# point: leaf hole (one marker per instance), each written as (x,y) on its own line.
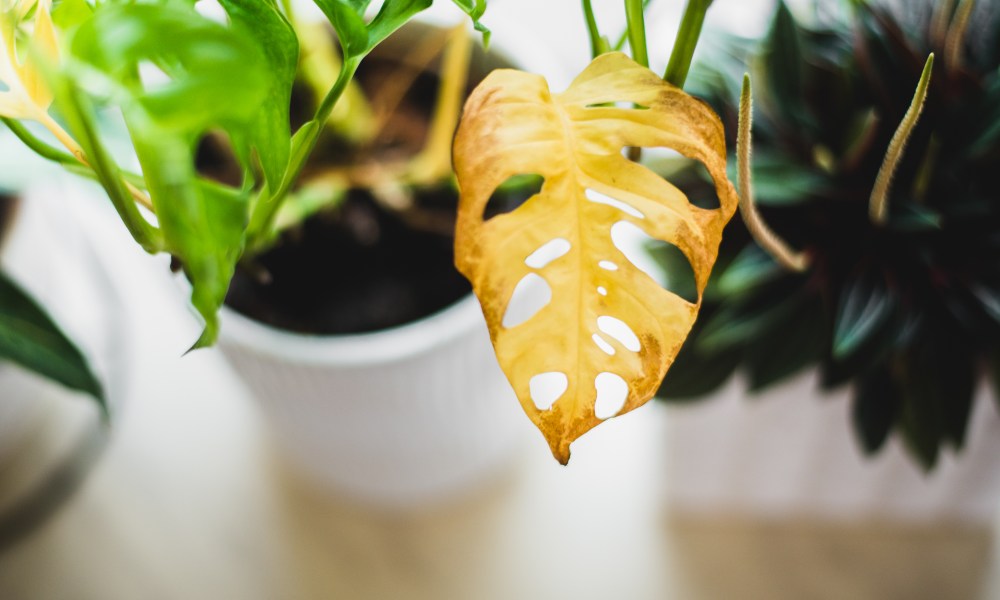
(602,290)
(599,198)
(546,388)
(607,265)
(216,160)
(665,263)
(513,192)
(212,10)
(603,344)
(620,104)
(697,184)
(152,76)
(620,331)
(531,295)
(612,392)
(548,252)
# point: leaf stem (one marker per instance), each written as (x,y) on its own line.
(598,44)
(686,41)
(878,203)
(266,208)
(38,146)
(78,113)
(764,235)
(637,31)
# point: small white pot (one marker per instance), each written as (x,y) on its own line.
(61,249)
(402,417)
(791,452)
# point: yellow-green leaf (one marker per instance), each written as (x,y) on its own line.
(27,96)
(514,125)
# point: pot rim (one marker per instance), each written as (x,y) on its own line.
(385,346)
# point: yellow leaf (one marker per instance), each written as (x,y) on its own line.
(514,125)
(27,96)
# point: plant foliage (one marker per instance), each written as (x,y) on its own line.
(905,311)
(514,125)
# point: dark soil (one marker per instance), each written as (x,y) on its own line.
(358,269)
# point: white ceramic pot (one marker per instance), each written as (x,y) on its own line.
(49,435)
(401,417)
(790,452)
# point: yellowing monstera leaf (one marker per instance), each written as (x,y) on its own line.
(605,317)
(26,96)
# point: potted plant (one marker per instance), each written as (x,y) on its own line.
(225,186)
(51,428)
(886,310)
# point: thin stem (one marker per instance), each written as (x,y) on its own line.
(38,146)
(956,35)
(67,140)
(686,41)
(878,209)
(592,31)
(303,142)
(765,237)
(624,35)
(77,111)
(636,31)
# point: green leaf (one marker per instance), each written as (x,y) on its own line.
(866,306)
(783,64)
(31,339)
(393,15)
(203,222)
(694,373)
(347,18)
(740,321)
(798,340)
(475,10)
(205,62)
(67,14)
(269,132)
(358,38)
(752,267)
(920,416)
(874,407)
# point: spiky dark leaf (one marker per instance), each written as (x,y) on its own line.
(782,351)
(874,408)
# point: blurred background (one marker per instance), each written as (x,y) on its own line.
(192,493)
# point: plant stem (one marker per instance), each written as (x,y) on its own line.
(686,41)
(597,43)
(878,204)
(266,208)
(38,146)
(637,31)
(764,235)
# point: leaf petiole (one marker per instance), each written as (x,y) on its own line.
(598,43)
(265,209)
(686,41)
(637,31)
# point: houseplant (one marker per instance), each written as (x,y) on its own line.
(50,433)
(898,299)
(171,72)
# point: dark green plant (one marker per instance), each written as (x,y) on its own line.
(906,311)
